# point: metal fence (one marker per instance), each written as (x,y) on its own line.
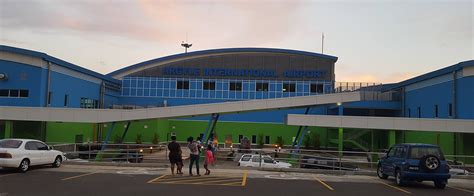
(229,157)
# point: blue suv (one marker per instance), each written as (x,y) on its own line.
(415,162)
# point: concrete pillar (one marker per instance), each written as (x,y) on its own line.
(8,129)
(392,138)
(340,143)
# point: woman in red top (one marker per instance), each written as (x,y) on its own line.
(209,159)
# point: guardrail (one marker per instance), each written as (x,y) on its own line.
(229,157)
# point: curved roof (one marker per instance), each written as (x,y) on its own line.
(220,51)
(430,75)
(57,61)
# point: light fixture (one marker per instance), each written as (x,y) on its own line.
(105,125)
(146,126)
(3,76)
(339,103)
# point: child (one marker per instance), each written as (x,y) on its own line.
(209,159)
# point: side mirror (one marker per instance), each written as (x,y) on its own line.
(50,148)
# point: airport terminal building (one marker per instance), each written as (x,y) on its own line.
(31,79)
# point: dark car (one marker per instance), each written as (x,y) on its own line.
(415,162)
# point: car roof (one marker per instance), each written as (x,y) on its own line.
(416,145)
(23,140)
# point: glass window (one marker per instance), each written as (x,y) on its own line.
(267,160)
(3,93)
(400,152)
(419,152)
(391,152)
(261,86)
(256,159)
(254,139)
(450,108)
(14,92)
(24,93)
(66,100)
(235,86)
(41,146)
(436,111)
(419,112)
(31,146)
(267,139)
(289,87)
(89,103)
(209,85)
(10,143)
(246,157)
(183,84)
(317,88)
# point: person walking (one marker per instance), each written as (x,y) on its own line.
(194,156)
(209,159)
(175,155)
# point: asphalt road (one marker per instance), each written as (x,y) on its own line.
(96,182)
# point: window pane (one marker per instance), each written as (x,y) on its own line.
(235,86)
(209,85)
(289,87)
(14,93)
(182,85)
(3,93)
(262,86)
(24,93)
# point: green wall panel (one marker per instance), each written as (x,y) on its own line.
(58,132)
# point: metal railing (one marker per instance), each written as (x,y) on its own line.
(229,157)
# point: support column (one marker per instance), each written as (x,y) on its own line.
(392,138)
(340,143)
(8,129)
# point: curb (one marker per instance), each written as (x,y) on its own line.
(296,170)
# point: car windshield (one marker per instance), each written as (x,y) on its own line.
(10,143)
(419,152)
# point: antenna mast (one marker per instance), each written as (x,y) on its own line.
(186,45)
(322,43)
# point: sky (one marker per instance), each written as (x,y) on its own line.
(380,41)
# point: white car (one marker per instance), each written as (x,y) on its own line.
(23,153)
(254,160)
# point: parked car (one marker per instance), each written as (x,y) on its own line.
(316,162)
(415,162)
(255,160)
(23,153)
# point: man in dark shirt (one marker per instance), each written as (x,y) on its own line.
(175,155)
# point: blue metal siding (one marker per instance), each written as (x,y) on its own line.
(76,88)
(465,98)
(22,76)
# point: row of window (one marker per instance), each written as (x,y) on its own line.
(435,110)
(14,93)
(266,139)
(259,86)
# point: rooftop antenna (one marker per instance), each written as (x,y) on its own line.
(322,43)
(186,45)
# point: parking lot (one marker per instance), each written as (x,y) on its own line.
(132,181)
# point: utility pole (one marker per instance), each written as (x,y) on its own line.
(186,45)
(322,43)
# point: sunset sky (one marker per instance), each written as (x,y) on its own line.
(376,41)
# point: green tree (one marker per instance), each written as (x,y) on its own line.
(260,141)
(156,139)
(138,139)
(316,141)
(117,139)
(279,141)
(307,141)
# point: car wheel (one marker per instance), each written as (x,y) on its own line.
(380,173)
(440,184)
(24,165)
(57,161)
(399,179)
(430,162)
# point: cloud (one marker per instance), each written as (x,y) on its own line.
(214,22)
